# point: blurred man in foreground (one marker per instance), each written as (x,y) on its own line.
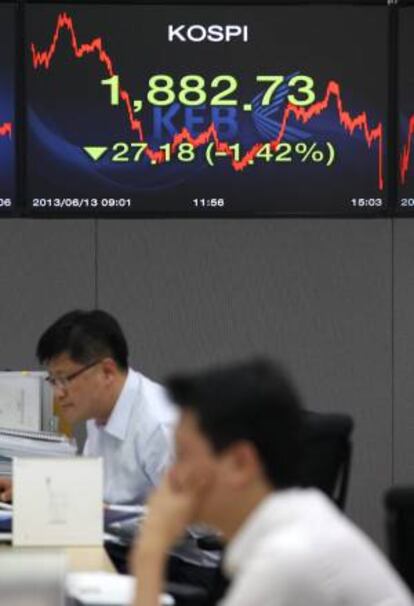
(238,444)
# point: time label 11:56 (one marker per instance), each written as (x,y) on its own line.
(208,202)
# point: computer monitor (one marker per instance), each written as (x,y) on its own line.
(26,401)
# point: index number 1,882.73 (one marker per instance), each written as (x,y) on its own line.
(190,90)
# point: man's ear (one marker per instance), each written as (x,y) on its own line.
(109,368)
(243,463)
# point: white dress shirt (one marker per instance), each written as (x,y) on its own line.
(297,549)
(136,443)
(137,447)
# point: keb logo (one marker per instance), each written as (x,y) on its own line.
(168,122)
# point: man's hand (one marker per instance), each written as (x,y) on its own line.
(5,489)
(171,508)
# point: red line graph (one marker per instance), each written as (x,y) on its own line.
(6,129)
(300,114)
(406,151)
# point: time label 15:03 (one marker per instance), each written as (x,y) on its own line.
(190,90)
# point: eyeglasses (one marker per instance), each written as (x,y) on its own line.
(63,382)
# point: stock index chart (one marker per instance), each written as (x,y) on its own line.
(406,112)
(203,110)
(7,112)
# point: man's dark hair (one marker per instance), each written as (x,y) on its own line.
(85,336)
(253,401)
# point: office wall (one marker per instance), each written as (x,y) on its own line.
(403,351)
(317,294)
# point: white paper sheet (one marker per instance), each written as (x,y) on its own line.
(57,501)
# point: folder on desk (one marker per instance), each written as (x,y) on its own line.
(57,502)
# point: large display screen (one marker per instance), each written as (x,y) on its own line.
(170,110)
(7,108)
(406,112)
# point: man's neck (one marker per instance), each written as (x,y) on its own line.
(243,508)
(112,398)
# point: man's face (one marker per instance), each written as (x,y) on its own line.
(80,398)
(201,471)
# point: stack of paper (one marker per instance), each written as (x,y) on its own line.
(14,443)
(115,513)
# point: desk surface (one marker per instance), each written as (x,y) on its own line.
(87,559)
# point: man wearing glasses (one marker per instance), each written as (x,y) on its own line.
(129,420)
